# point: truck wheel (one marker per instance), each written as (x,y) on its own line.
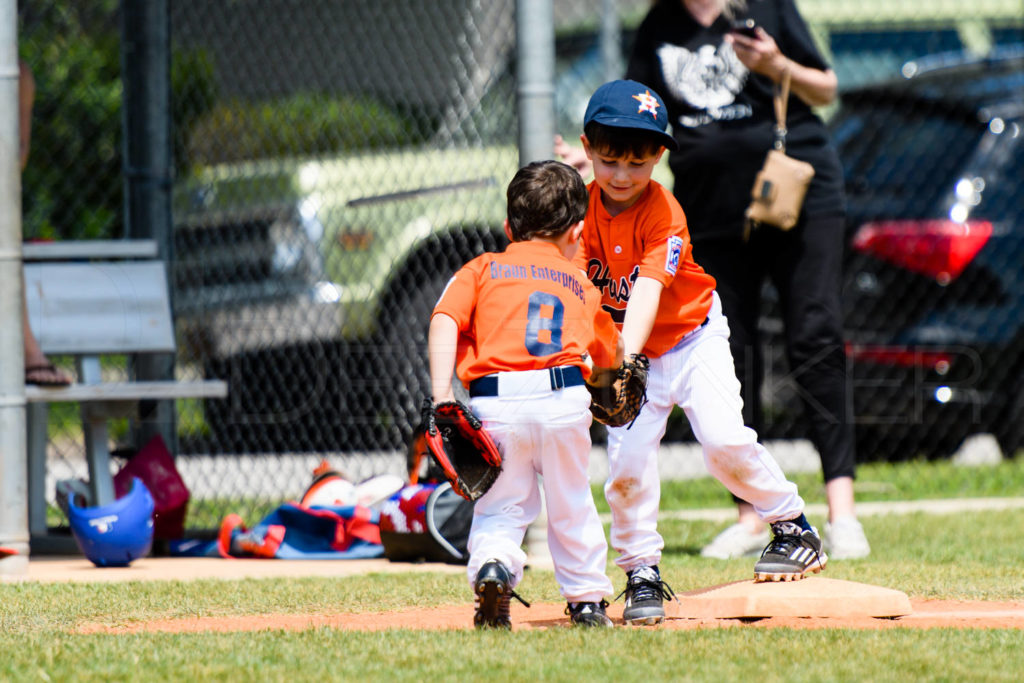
(405,319)
(1009,428)
(405,372)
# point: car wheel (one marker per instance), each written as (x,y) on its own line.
(404,322)
(1009,428)
(281,399)
(404,368)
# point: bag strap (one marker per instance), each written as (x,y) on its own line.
(781,103)
(433,527)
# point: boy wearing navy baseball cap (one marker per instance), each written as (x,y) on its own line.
(636,249)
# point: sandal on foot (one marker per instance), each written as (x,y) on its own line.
(46,375)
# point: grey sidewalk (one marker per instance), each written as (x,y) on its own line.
(908,507)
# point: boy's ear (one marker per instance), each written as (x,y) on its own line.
(575,232)
(508,231)
(586,145)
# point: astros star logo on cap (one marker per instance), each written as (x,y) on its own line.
(647,103)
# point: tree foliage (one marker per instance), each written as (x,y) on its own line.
(72,185)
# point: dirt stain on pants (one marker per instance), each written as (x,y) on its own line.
(625,489)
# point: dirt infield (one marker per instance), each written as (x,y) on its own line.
(688,613)
(52,569)
(926,614)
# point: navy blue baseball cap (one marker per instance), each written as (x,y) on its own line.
(628,104)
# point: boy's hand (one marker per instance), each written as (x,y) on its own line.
(462,447)
(573,156)
(618,394)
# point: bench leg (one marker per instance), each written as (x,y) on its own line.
(37,414)
(97,455)
(94,425)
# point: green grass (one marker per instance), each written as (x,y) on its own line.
(913,480)
(620,655)
(957,556)
(961,556)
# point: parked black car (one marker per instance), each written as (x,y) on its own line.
(934,278)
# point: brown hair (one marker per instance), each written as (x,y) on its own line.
(616,141)
(545,198)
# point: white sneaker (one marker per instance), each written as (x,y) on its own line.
(737,541)
(845,540)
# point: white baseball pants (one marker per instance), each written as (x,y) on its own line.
(698,376)
(544,433)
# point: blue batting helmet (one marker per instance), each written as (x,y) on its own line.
(114,535)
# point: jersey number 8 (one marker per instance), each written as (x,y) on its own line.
(537,323)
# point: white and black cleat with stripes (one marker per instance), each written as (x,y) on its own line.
(645,595)
(792,553)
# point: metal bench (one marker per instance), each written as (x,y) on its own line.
(88,300)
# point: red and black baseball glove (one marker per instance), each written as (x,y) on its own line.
(461,446)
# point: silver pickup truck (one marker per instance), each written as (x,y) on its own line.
(308,285)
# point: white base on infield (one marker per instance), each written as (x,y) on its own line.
(811,597)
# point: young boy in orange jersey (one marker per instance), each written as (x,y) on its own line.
(636,249)
(524,326)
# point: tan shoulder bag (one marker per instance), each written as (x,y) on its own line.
(781,184)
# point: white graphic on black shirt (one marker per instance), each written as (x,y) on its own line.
(707,80)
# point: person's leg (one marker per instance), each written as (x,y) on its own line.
(738,280)
(575,534)
(708,391)
(38,368)
(739,275)
(840,499)
(633,492)
(806,266)
(705,386)
(501,515)
(633,488)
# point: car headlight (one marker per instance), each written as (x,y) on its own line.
(314,229)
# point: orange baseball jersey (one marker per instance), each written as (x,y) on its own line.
(649,239)
(527,308)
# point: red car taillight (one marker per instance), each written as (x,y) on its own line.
(940,249)
(900,356)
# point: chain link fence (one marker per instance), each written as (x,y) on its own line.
(336,161)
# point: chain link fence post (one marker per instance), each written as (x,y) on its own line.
(13,464)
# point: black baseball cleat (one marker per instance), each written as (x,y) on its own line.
(645,593)
(493,590)
(791,554)
(589,614)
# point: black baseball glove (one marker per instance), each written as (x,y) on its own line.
(462,447)
(617,395)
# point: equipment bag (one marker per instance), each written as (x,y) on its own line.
(426,522)
(154,465)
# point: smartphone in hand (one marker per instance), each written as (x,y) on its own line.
(745,27)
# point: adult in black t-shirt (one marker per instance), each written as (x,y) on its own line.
(718,88)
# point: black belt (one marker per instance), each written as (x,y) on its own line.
(561,377)
(706,321)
